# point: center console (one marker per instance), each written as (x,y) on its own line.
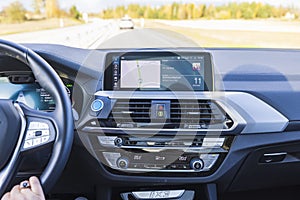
(157,115)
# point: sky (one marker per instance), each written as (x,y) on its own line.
(98,5)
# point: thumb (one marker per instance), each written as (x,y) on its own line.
(36,186)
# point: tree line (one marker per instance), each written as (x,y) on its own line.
(181,11)
(42,9)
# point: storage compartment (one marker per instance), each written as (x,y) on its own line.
(268,167)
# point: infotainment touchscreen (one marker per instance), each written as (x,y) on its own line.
(159,71)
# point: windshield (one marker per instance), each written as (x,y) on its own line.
(152,24)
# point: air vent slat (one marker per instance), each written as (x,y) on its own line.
(192,102)
(131,118)
(188,109)
(196,114)
(127,108)
(129,112)
(133,103)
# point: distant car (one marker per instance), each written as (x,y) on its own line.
(126,23)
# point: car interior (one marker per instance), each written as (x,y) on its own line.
(150,100)
(168,123)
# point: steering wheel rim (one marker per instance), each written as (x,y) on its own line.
(60,121)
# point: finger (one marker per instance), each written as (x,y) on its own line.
(6,196)
(15,190)
(29,195)
(15,193)
(36,186)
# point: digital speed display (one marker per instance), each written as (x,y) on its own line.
(30,94)
(159,71)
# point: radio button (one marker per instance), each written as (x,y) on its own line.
(97,105)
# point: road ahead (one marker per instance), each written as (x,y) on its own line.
(104,34)
(147,38)
(162,33)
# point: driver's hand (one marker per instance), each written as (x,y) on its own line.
(27,190)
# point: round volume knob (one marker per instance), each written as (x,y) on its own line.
(97,105)
(118,142)
(123,163)
(196,164)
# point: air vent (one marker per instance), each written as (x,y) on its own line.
(131,111)
(183,114)
(199,114)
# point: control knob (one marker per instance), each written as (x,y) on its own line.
(118,142)
(197,164)
(122,163)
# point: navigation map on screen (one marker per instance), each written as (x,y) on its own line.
(140,74)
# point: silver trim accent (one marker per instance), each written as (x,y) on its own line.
(107,141)
(127,112)
(164,95)
(243,108)
(171,95)
(186,149)
(193,113)
(213,142)
(208,161)
(209,145)
(6,172)
(111,158)
(160,194)
(260,116)
(275,154)
(205,169)
(99,129)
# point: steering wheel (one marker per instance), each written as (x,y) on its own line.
(24,130)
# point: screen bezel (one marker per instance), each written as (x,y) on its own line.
(208,70)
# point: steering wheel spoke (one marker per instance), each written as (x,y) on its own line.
(40,130)
(39,133)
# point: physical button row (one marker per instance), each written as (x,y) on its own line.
(35,142)
(36,133)
(38,126)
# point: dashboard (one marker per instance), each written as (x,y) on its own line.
(173,120)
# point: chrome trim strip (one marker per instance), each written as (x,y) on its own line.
(260,116)
(275,154)
(159,94)
(208,145)
(208,159)
(160,170)
(243,108)
(161,194)
(184,148)
(172,95)
(100,129)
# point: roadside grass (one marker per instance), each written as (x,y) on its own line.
(234,38)
(29,26)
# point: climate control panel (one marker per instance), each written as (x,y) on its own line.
(148,162)
(162,154)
